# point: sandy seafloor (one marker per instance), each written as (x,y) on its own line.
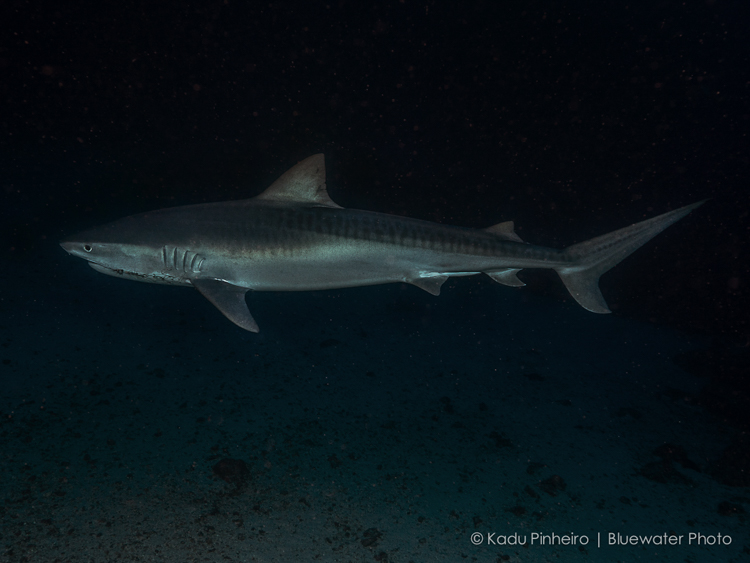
(378,424)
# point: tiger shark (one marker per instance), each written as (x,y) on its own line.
(293,237)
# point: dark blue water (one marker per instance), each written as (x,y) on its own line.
(382,423)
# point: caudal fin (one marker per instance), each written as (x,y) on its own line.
(590,259)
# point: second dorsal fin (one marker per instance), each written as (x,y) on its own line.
(505,231)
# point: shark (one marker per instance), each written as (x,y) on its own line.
(293,237)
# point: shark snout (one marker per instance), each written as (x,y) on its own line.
(77,248)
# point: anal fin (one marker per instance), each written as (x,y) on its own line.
(229,299)
(507,277)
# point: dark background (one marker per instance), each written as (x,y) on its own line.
(572,119)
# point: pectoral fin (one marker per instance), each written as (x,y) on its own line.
(229,299)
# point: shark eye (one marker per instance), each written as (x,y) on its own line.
(87,248)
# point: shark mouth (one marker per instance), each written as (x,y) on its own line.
(154,277)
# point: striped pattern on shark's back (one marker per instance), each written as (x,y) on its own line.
(301,227)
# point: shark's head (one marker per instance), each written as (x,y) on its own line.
(120,249)
(108,258)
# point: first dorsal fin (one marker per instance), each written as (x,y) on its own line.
(303,183)
(505,231)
